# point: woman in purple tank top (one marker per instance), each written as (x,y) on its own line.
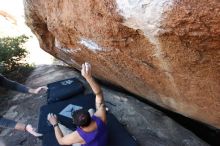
(91,131)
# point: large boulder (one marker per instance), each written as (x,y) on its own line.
(166,51)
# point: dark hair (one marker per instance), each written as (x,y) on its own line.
(81,118)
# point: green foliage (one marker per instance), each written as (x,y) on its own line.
(12,55)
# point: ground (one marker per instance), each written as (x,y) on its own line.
(148,125)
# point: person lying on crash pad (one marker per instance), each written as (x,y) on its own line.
(91,130)
(12,85)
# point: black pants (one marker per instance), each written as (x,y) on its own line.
(7,123)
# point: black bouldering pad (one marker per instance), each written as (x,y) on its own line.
(118,135)
(64,89)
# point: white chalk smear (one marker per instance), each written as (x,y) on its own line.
(91,45)
(71,50)
(145,15)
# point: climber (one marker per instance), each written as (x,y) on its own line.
(12,85)
(91,130)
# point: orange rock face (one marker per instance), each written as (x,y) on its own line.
(166,51)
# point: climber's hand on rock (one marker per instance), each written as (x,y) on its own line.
(86,71)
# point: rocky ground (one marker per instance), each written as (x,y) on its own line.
(148,125)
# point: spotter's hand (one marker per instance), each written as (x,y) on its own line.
(39,90)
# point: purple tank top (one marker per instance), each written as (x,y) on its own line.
(98,137)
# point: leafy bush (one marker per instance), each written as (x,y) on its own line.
(12,55)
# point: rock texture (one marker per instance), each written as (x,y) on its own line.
(166,51)
(157,130)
